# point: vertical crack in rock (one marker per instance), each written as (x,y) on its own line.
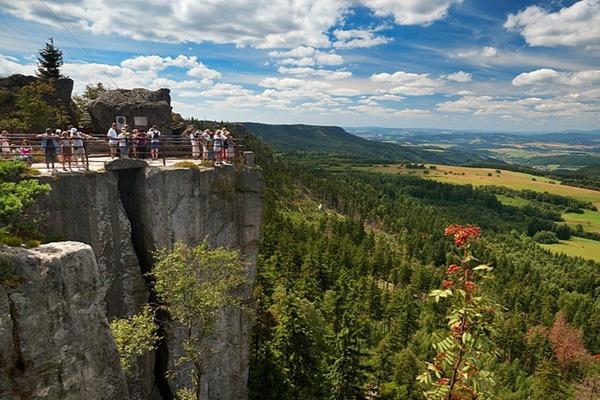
(129,188)
(19,365)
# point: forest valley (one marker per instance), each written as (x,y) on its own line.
(380,286)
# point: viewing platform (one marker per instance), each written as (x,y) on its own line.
(95,154)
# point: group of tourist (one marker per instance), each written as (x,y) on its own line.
(67,147)
(207,145)
(23,152)
(125,143)
(217,146)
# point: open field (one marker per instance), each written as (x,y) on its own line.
(512,201)
(577,247)
(489,176)
(589,220)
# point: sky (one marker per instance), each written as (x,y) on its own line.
(449,64)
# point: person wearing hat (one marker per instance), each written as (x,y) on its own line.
(124,142)
(50,145)
(78,146)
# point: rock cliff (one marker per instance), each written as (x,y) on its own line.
(55,342)
(127,212)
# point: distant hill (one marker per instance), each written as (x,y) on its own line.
(335,140)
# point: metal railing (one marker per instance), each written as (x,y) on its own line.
(96,149)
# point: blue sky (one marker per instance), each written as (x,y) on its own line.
(489,65)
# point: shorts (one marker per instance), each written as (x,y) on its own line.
(67,152)
(50,155)
(78,151)
(154,146)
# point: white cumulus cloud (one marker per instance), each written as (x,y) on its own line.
(265,24)
(578,24)
(358,38)
(460,76)
(547,76)
(407,83)
(412,12)
(158,63)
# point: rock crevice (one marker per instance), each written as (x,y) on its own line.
(124,214)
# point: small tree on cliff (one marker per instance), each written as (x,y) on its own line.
(134,336)
(50,59)
(17,195)
(90,93)
(457,370)
(194,284)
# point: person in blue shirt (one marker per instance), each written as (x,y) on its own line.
(50,145)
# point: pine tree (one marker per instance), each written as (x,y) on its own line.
(548,384)
(347,373)
(295,352)
(50,59)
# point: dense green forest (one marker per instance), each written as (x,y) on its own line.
(347,260)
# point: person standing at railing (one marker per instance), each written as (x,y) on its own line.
(224,136)
(204,140)
(154,135)
(26,152)
(113,140)
(5,145)
(141,144)
(51,146)
(195,137)
(66,144)
(133,143)
(230,147)
(218,147)
(124,142)
(79,146)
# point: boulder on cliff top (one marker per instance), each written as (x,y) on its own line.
(55,341)
(125,163)
(151,107)
(9,87)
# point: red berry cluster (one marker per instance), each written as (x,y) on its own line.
(462,234)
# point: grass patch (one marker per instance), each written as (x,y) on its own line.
(512,201)
(187,164)
(6,271)
(589,220)
(577,247)
(8,278)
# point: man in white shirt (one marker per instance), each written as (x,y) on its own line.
(113,141)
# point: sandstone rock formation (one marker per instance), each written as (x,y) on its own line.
(228,214)
(10,86)
(54,338)
(127,212)
(155,106)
